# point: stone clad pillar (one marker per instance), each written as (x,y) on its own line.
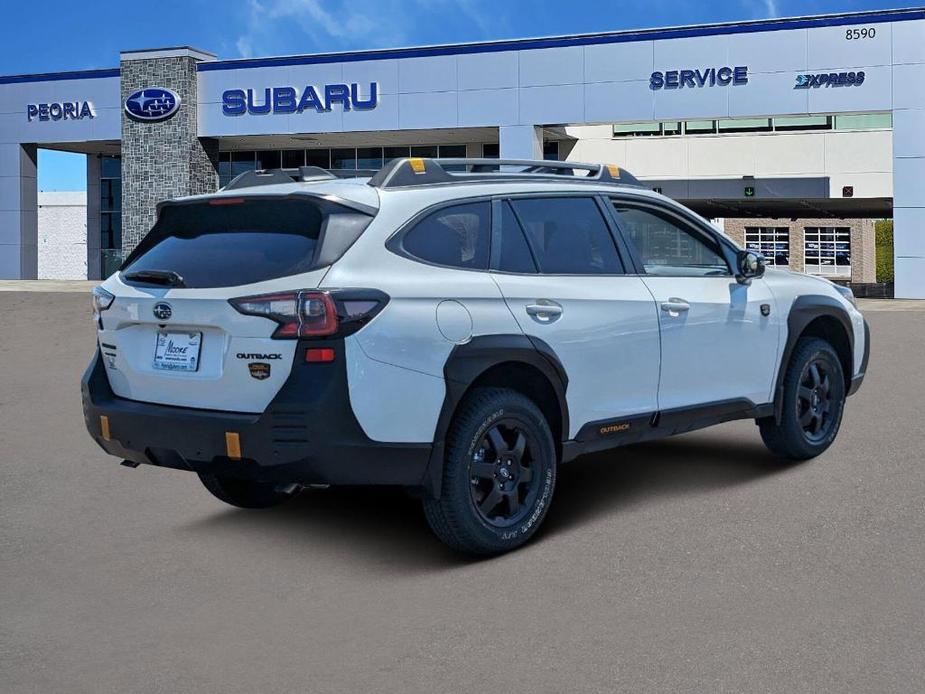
(166,158)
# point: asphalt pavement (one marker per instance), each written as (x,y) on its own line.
(695,564)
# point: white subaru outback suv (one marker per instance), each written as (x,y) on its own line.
(458,327)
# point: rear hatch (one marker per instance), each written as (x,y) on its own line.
(172,335)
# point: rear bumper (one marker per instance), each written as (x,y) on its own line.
(858,378)
(308,434)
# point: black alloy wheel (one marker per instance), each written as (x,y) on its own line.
(811,404)
(499,474)
(814,407)
(503,483)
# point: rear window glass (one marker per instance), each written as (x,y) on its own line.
(232,244)
(457,236)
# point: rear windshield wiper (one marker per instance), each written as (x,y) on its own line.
(165,277)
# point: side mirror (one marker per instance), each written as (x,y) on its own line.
(749,265)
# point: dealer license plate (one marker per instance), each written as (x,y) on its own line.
(177,351)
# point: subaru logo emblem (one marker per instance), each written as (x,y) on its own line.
(152,104)
(162,310)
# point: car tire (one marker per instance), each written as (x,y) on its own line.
(243,493)
(813,402)
(499,474)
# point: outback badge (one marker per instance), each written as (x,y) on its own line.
(259,370)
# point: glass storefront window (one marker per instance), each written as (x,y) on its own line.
(491,150)
(293,158)
(551,151)
(827,251)
(110,167)
(268,159)
(369,158)
(772,242)
(110,261)
(343,158)
(424,151)
(802,123)
(864,121)
(318,157)
(241,162)
(699,127)
(452,151)
(744,125)
(637,129)
(390,153)
(110,194)
(110,230)
(671,128)
(110,215)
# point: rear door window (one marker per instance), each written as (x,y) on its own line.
(455,236)
(568,236)
(254,240)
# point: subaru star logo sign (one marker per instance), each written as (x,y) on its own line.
(152,104)
(162,310)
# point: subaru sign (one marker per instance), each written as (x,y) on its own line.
(237,102)
(707,77)
(152,104)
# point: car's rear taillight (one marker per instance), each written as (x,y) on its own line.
(311,313)
(100,300)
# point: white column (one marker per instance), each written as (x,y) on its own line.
(909,159)
(521,141)
(18,212)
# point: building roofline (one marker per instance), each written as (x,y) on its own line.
(623,36)
(56,76)
(167,52)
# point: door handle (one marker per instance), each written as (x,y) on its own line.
(675,306)
(544,310)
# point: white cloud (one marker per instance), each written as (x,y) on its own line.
(243,44)
(770,7)
(331,25)
(327,26)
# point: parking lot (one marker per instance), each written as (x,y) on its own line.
(697,564)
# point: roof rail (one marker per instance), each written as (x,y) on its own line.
(302,174)
(414,171)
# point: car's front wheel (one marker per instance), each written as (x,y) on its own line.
(813,402)
(243,493)
(499,474)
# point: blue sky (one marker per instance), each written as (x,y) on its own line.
(71,35)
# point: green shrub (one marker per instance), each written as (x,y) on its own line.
(884,240)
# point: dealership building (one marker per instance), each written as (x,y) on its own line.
(793,134)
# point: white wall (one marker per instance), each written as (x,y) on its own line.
(596,83)
(62,238)
(862,158)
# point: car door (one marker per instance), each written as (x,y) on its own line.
(719,337)
(556,262)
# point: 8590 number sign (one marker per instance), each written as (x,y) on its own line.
(863,33)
